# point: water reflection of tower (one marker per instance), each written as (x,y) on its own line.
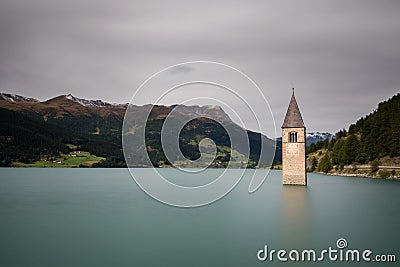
(295,214)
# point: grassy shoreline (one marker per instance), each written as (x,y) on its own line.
(74,159)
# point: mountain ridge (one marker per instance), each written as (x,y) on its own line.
(16,98)
(314,137)
(96,126)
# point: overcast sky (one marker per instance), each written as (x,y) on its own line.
(343,56)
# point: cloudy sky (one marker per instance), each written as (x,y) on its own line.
(342,56)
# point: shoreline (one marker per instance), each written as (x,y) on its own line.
(355,175)
(359,175)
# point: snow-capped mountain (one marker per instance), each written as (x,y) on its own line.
(16,98)
(90,103)
(314,137)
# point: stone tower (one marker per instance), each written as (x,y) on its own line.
(293,146)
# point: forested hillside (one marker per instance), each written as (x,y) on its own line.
(370,139)
(34,133)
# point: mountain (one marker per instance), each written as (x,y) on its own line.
(16,98)
(91,103)
(24,139)
(313,137)
(198,123)
(96,126)
(62,106)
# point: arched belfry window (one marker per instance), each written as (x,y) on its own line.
(293,137)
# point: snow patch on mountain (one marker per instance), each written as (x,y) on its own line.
(319,135)
(16,98)
(314,137)
(91,103)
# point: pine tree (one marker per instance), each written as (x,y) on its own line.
(325,164)
(314,164)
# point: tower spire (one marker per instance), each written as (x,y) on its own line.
(293,117)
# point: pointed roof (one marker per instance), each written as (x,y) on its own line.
(293,117)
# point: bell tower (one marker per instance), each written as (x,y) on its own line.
(293,146)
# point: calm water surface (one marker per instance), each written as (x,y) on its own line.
(99,217)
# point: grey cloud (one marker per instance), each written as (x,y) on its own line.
(180,69)
(343,56)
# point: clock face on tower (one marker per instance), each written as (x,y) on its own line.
(292,149)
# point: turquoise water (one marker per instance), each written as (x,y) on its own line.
(99,217)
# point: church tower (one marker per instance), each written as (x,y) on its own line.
(293,146)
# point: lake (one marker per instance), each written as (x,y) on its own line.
(100,217)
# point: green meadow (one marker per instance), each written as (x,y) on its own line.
(78,159)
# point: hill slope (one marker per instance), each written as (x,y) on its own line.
(373,138)
(96,126)
(24,139)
